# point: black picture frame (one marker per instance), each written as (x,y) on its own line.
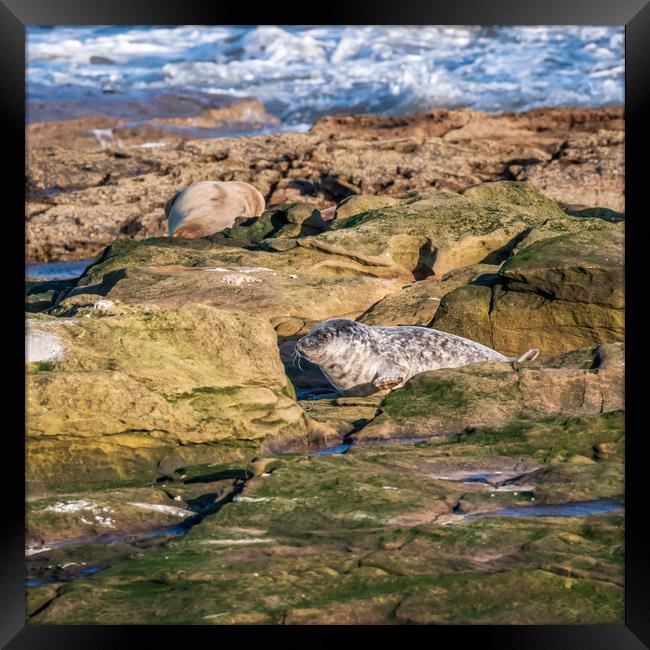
(16,15)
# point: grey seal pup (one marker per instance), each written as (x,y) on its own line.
(360,360)
(207,207)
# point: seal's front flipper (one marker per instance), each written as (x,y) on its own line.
(387,382)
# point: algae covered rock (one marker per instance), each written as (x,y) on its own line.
(280,221)
(89,516)
(42,294)
(110,398)
(436,233)
(600,213)
(578,267)
(557,294)
(447,401)
(358,203)
(296,283)
(351,538)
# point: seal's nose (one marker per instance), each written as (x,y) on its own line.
(303,345)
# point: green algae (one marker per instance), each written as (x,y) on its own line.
(414,402)
(359,538)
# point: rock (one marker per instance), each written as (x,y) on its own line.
(598,156)
(300,283)
(43,347)
(348,413)
(146,126)
(259,466)
(463,124)
(101,60)
(42,294)
(287,326)
(548,591)
(599,213)
(121,393)
(209,207)
(447,401)
(87,305)
(359,203)
(87,516)
(435,234)
(279,222)
(559,152)
(578,267)
(578,459)
(417,303)
(288,547)
(605,450)
(556,295)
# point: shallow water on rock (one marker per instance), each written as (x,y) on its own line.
(43,571)
(333,451)
(84,572)
(317,393)
(572,509)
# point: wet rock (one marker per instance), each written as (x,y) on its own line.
(599,213)
(42,294)
(85,518)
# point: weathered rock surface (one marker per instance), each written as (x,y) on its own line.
(362,266)
(81,200)
(556,295)
(448,401)
(387,534)
(115,398)
(88,517)
(417,303)
(42,294)
(437,233)
(280,222)
(298,283)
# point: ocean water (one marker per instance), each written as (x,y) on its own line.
(302,73)
(58,270)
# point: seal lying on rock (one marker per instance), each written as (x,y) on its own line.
(360,360)
(208,207)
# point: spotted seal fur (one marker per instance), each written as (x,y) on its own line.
(359,359)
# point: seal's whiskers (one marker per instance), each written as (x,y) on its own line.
(296,359)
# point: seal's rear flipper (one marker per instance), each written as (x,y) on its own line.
(531,355)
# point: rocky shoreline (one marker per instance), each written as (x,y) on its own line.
(182,468)
(84,195)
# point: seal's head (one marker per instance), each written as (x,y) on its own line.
(329,339)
